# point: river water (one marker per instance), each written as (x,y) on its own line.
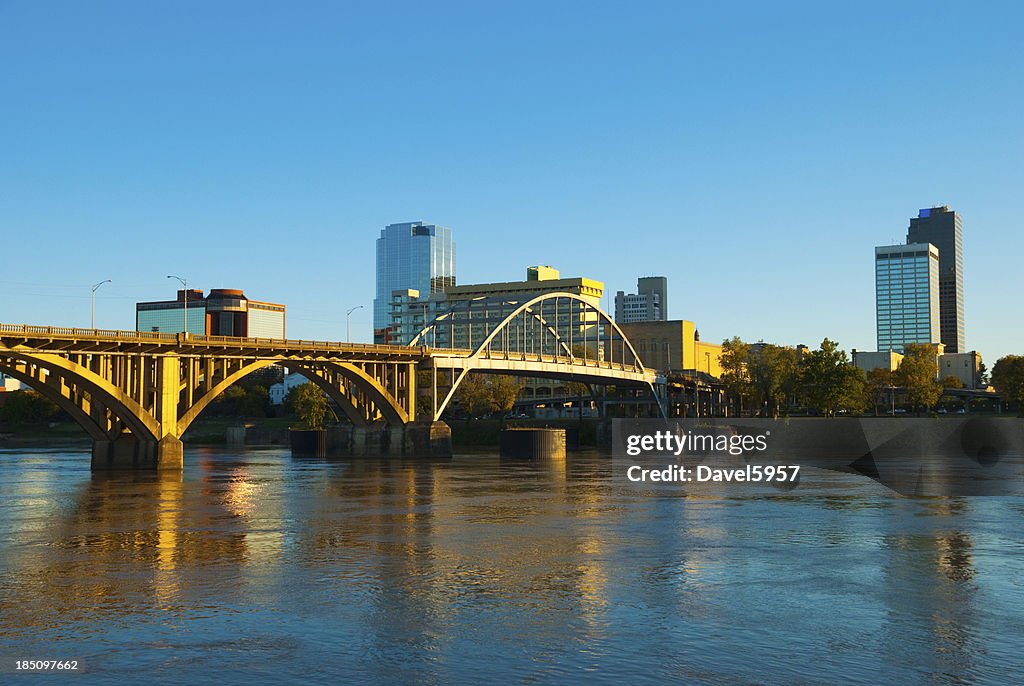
(255,566)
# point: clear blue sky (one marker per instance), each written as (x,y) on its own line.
(754,153)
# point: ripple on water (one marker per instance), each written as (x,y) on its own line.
(402,572)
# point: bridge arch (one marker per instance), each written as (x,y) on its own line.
(320,374)
(373,391)
(22,371)
(538,329)
(129,412)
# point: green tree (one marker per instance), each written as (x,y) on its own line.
(735,374)
(504,390)
(773,376)
(948,383)
(479,394)
(917,372)
(424,391)
(951,381)
(828,380)
(309,403)
(474,396)
(1008,379)
(28,407)
(242,401)
(879,388)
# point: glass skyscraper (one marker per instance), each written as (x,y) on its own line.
(410,255)
(907,295)
(943,228)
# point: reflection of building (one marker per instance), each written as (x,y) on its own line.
(943,228)
(907,295)
(411,255)
(673,346)
(648,304)
(224,312)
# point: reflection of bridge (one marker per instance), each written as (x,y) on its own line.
(136,392)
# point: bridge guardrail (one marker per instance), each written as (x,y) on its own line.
(172,338)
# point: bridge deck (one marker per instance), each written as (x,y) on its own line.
(63,339)
(58,339)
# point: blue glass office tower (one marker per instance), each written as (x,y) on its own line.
(411,255)
(907,295)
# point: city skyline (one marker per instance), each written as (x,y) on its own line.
(730,162)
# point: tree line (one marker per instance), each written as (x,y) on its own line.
(771,380)
(759,378)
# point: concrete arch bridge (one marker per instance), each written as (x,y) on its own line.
(137,392)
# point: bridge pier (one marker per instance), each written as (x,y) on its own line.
(129,452)
(415,439)
(427,439)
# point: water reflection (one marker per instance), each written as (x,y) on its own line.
(548,570)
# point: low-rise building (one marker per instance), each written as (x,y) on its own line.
(869,360)
(224,312)
(964,366)
(673,345)
(9,384)
(279,390)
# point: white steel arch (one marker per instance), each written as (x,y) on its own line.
(542,346)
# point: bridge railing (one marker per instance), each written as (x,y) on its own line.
(579,361)
(175,338)
(93,333)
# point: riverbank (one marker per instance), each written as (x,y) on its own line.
(272,431)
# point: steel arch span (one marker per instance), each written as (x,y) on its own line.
(553,335)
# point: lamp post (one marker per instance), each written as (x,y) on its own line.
(348,322)
(95,286)
(184,312)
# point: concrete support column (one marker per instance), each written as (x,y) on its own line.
(123,452)
(169,449)
(170,454)
(425,439)
(128,452)
(410,386)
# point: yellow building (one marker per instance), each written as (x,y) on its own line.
(673,345)
(539,280)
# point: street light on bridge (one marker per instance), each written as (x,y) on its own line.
(184,315)
(95,286)
(348,322)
